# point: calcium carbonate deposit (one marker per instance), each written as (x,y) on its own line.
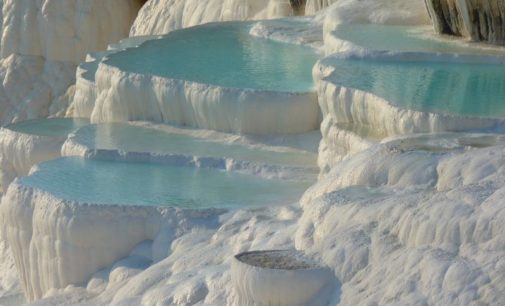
(228,152)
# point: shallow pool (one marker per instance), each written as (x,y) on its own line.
(225,55)
(132,138)
(409,39)
(55,127)
(452,88)
(102,182)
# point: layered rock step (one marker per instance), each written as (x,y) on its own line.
(27,143)
(242,84)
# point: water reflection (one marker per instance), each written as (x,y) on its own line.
(131,138)
(456,88)
(102,182)
(225,55)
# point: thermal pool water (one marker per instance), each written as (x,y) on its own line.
(144,184)
(223,54)
(56,127)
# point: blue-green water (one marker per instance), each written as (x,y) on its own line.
(102,182)
(55,127)
(433,86)
(224,55)
(127,43)
(452,88)
(131,138)
(91,66)
(13,300)
(408,39)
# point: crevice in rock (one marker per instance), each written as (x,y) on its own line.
(298,6)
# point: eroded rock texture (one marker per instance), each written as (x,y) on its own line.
(478,20)
(298,6)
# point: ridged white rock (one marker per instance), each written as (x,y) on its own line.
(163,16)
(58,243)
(19,152)
(198,105)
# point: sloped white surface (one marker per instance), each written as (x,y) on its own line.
(64,30)
(43,41)
(33,87)
(414,245)
(402,12)
(83,238)
(163,16)
(9,279)
(19,152)
(388,12)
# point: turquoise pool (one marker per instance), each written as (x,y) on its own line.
(408,39)
(131,138)
(225,55)
(102,182)
(91,66)
(452,88)
(55,127)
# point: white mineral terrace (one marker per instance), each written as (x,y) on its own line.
(349,157)
(25,144)
(266,79)
(144,142)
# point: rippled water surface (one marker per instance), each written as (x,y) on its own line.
(453,88)
(225,55)
(103,182)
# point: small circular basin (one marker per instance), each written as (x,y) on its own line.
(280,277)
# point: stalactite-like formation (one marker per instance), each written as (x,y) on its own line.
(478,20)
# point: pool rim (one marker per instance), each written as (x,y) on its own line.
(105,60)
